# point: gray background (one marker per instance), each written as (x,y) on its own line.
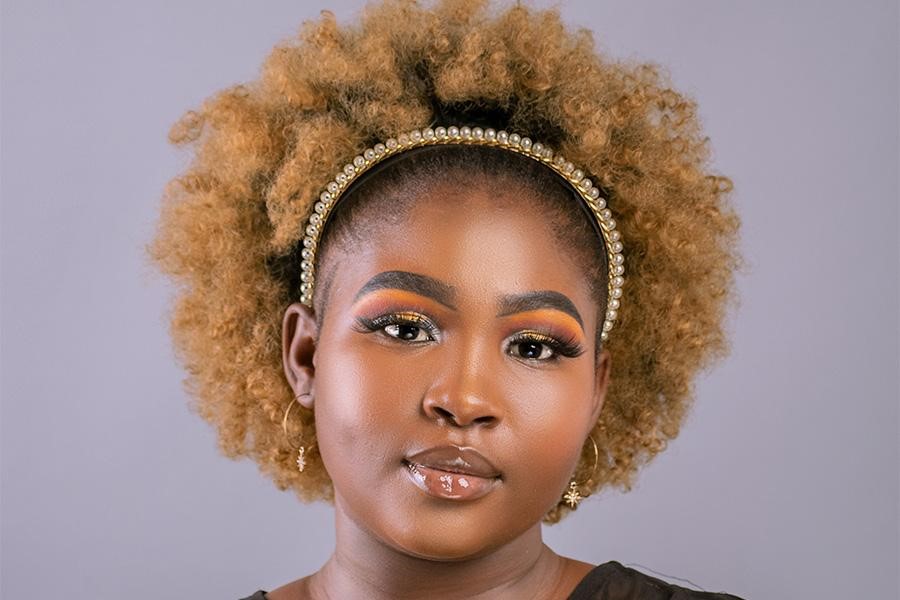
(784,482)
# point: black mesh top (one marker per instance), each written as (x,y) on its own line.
(615,581)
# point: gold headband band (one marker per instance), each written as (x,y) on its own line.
(475,136)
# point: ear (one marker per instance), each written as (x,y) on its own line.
(299,333)
(601,383)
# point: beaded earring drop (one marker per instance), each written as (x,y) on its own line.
(301,450)
(573,496)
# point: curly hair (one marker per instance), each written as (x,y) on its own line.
(230,224)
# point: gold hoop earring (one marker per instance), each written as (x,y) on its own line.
(573,496)
(301,450)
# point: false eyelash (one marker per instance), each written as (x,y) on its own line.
(566,346)
(403,318)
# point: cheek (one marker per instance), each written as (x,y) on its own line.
(362,403)
(553,415)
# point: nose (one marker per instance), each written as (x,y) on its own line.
(463,397)
(460,410)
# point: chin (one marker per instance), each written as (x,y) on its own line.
(436,547)
(450,536)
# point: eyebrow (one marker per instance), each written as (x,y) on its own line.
(412,282)
(445,294)
(527,301)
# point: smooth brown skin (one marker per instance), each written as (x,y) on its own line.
(378,398)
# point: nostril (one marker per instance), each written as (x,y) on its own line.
(460,413)
(447,415)
(444,413)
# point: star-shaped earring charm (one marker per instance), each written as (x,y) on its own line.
(572,497)
(301,459)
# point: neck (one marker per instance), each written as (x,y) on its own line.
(363,566)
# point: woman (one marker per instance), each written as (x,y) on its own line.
(406,249)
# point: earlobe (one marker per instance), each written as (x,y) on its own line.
(299,335)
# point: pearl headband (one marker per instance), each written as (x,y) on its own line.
(473,136)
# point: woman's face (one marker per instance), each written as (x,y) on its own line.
(466,327)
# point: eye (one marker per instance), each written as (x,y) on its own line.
(541,347)
(407,332)
(406,327)
(532,350)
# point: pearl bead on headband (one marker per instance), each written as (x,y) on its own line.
(472,136)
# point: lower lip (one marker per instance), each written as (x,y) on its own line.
(449,486)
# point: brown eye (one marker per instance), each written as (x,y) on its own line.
(407,332)
(532,350)
(538,346)
(403,326)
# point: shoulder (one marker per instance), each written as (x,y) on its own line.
(614,581)
(259,595)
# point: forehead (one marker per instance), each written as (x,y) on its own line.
(483,241)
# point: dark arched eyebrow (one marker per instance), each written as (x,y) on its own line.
(445,294)
(412,282)
(516,303)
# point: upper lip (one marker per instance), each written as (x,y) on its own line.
(455,459)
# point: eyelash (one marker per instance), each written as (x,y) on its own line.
(401,319)
(565,347)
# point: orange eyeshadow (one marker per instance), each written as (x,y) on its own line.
(391,299)
(559,321)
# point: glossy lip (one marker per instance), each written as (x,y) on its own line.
(452,473)
(455,459)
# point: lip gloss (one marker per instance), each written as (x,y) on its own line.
(449,486)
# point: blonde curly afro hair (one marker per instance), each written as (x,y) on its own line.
(263,150)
